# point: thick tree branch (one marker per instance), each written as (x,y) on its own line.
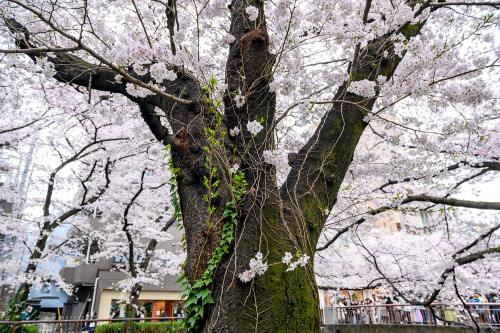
(22,126)
(249,71)
(106,79)
(454,202)
(42,50)
(153,242)
(61,218)
(480,238)
(367,10)
(457,262)
(154,123)
(346,229)
(321,164)
(490,165)
(409,199)
(83,181)
(409,179)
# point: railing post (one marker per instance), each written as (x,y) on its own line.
(14,328)
(75,327)
(126,326)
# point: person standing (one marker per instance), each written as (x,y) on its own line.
(165,315)
(114,315)
(384,314)
(419,318)
(349,312)
(480,310)
(407,313)
(92,324)
(86,323)
(378,311)
(390,309)
(141,315)
(28,313)
(495,309)
(370,311)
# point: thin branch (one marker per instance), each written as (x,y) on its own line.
(324,63)
(142,23)
(459,262)
(489,165)
(443,4)
(126,225)
(52,177)
(480,238)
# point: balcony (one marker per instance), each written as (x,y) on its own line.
(83,274)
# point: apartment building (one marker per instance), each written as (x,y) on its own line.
(15,175)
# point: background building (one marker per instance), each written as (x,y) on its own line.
(16,169)
(95,281)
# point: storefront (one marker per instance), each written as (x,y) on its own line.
(152,303)
(167,309)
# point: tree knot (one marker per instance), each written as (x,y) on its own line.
(180,139)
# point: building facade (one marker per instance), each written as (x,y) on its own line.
(94,287)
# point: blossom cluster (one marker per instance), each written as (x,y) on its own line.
(137,91)
(234,168)
(234,131)
(301,261)
(275,157)
(159,72)
(227,39)
(252,12)
(304,110)
(142,54)
(257,267)
(254,127)
(363,88)
(239,100)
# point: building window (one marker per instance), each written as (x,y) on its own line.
(124,259)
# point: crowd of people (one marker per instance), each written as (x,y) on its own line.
(394,310)
(486,314)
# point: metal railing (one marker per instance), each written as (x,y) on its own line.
(119,325)
(436,314)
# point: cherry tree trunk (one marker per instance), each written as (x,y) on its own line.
(277,301)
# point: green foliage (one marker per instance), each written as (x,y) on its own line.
(15,308)
(138,327)
(199,295)
(20,329)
